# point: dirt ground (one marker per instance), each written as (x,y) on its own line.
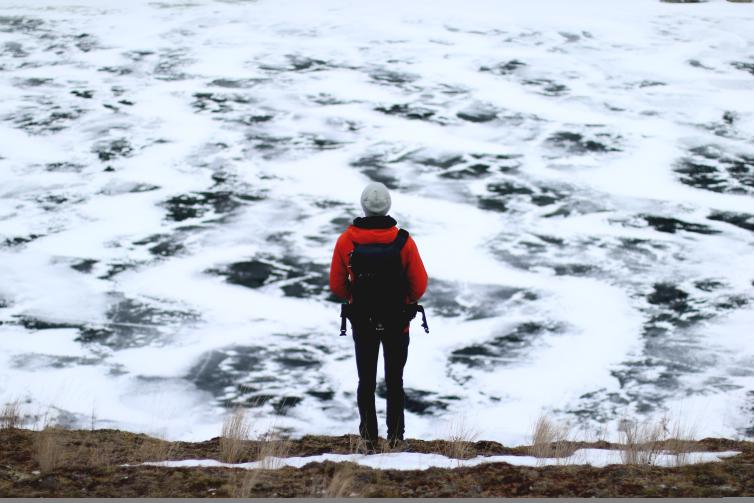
(65,463)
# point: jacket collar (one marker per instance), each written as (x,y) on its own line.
(374,222)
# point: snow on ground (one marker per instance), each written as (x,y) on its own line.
(419,461)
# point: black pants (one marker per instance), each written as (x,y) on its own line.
(395,353)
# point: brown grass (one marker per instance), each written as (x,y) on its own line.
(550,440)
(357,445)
(10,415)
(234,437)
(680,442)
(102,456)
(460,440)
(20,477)
(245,484)
(270,448)
(154,449)
(48,450)
(642,442)
(342,483)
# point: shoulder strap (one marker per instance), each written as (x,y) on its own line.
(401,239)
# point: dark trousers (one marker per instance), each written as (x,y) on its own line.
(395,352)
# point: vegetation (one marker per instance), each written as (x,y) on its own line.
(550,440)
(108,463)
(234,437)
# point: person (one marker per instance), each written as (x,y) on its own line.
(377,227)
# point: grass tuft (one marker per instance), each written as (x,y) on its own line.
(680,442)
(48,450)
(550,440)
(644,442)
(154,449)
(342,483)
(245,484)
(271,447)
(10,415)
(234,437)
(460,440)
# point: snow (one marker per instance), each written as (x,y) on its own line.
(419,461)
(628,73)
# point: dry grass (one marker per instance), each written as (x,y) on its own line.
(101,456)
(44,418)
(270,448)
(342,483)
(234,437)
(10,415)
(357,445)
(644,442)
(550,440)
(460,440)
(154,449)
(680,442)
(594,434)
(244,485)
(48,450)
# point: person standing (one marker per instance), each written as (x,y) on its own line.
(377,269)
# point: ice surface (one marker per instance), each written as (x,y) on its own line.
(578,177)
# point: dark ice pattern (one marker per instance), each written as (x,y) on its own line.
(508,348)
(294,276)
(257,376)
(711,167)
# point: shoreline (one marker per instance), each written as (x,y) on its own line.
(92,463)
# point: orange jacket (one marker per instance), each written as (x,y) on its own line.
(376,229)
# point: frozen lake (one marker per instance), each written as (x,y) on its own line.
(578,176)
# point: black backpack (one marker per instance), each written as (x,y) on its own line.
(379,287)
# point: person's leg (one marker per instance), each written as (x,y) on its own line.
(395,353)
(367,345)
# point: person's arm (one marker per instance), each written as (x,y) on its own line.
(415,272)
(339,269)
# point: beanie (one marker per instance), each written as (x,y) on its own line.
(375,200)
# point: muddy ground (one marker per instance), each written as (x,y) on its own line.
(65,463)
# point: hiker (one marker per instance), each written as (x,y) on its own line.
(378,270)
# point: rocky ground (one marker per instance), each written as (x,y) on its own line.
(105,463)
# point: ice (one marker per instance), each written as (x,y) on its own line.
(554,161)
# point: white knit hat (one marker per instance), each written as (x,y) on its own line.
(375,200)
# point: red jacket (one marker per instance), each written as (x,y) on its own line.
(375,230)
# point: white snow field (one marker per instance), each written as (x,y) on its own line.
(578,177)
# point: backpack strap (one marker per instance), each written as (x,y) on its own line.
(400,240)
(420,309)
(345,312)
